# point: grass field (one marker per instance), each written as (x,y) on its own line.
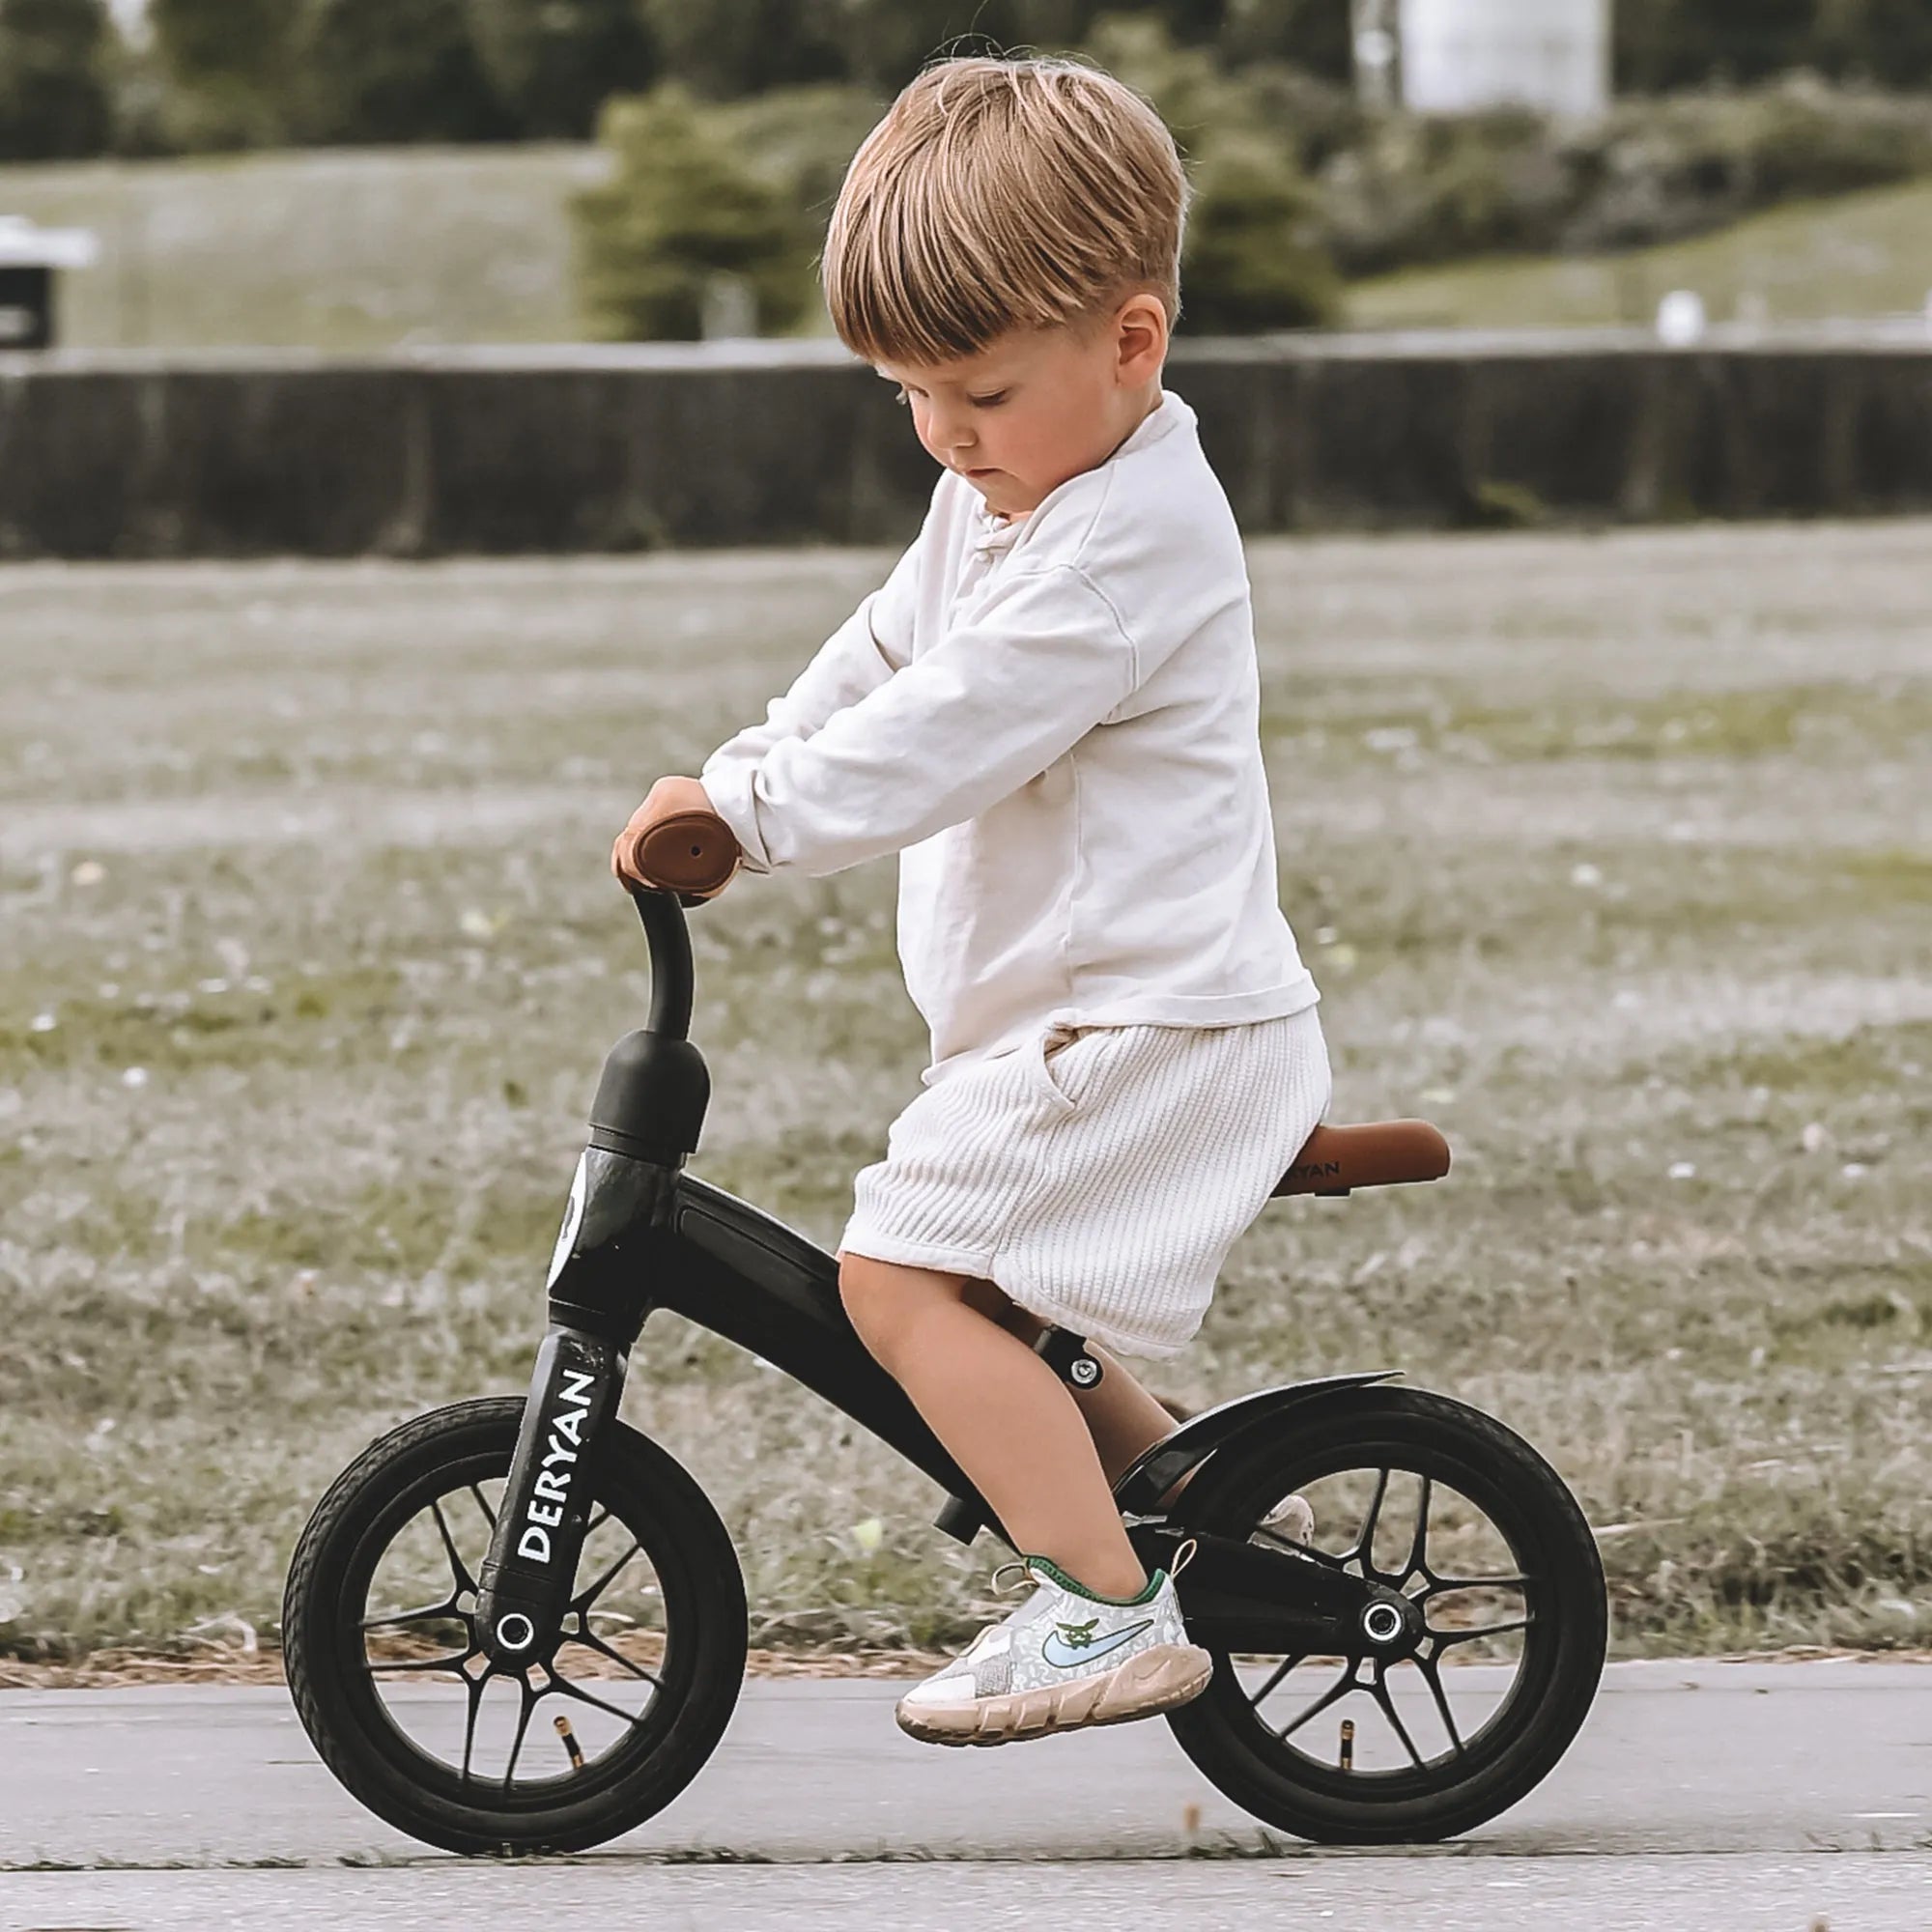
(1612,854)
(353,251)
(347,250)
(1856,255)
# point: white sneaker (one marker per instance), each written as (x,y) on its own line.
(1291,1519)
(1063,1660)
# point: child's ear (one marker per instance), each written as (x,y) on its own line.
(1140,335)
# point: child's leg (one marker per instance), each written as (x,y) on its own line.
(1003,1415)
(1122,1418)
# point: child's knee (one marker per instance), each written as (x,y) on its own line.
(874,1300)
(886,1300)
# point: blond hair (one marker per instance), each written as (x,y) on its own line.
(1002,195)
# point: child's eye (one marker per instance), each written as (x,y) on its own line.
(989,402)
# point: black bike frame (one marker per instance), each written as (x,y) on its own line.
(638,1234)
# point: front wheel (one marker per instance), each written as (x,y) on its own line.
(379,1632)
(1475,1706)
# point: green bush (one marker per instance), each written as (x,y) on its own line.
(800,141)
(1255,254)
(681,211)
(56,99)
(1430,188)
(1254,259)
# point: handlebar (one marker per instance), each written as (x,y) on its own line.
(684,859)
(693,852)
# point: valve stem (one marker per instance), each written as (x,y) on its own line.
(570,1742)
(1348,1743)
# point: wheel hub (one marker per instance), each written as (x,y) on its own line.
(1391,1624)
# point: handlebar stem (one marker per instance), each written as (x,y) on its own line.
(669,940)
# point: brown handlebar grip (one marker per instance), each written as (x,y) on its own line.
(687,852)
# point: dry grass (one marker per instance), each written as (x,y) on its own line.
(1612,854)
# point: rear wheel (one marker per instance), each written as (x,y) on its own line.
(1468,1521)
(599,1732)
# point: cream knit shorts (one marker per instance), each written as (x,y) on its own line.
(1098,1176)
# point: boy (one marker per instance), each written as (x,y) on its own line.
(1050,710)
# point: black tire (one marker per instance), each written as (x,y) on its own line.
(375,1501)
(1562,1634)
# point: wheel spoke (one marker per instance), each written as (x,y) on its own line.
(593,1641)
(1380,1692)
(1444,1638)
(1287,1665)
(429,1613)
(1418,1563)
(458,1567)
(483,1503)
(1432,1677)
(1365,1542)
(453,1659)
(1439,1584)
(529,1704)
(582,1602)
(475,1686)
(1337,1691)
(583,1696)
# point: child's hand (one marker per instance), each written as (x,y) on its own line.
(668,799)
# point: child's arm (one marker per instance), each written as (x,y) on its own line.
(865,650)
(858,657)
(989,707)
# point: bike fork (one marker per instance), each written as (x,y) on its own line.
(599,1296)
(525,1582)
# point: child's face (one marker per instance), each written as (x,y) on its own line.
(1037,406)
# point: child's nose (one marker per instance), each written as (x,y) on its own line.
(951,434)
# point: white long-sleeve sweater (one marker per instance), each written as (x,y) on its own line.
(1055,721)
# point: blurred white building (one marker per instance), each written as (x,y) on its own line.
(1458,55)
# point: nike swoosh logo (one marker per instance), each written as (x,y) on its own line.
(1060,1653)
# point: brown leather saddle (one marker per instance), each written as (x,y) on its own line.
(1378,1154)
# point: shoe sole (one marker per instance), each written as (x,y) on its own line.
(1160,1679)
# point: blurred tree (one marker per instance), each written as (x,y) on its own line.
(393,70)
(1194,96)
(721,49)
(1313,33)
(1253,259)
(226,63)
(1660,45)
(56,100)
(681,220)
(554,62)
(1886,40)
(884,43)
(801,140)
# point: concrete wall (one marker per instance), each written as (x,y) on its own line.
(783,444)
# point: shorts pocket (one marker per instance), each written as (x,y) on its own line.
(1048,1062)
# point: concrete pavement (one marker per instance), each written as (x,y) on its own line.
(1698,1795)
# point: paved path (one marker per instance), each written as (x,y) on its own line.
(1699,1797)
